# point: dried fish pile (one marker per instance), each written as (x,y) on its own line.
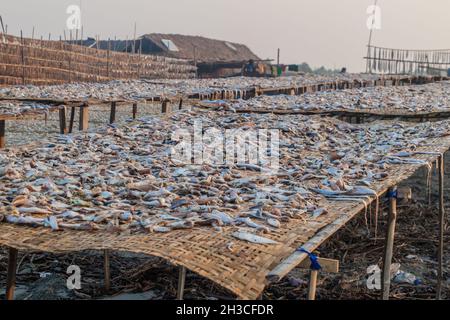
(16,108)
(412,99)
(123,179)
(136,90)
(241,83)
(132,90)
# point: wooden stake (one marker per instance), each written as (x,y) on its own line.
(11,277)
(389,244)
(84,118)
(62,120)
(107,270)
(164,106)
(441,228)
(112,115)
(72,119)
(22,53)
(107,57)
(180,106)
(312,284)
(134,110)
(181,282)
(2,133)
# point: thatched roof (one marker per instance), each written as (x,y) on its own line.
(206,50)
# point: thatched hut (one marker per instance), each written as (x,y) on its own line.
(214,58)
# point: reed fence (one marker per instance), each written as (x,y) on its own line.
(38,62)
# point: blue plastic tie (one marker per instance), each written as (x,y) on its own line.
(392,194)
(314,261)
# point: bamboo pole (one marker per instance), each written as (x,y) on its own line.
(312,284)
(22,54)
(2,133)
(441,228)
(112,115)
(62,120)
(389,243)
(108,56)
(181,282)
(164,106)
(107,270)
(134,110)
(72,119)
(84,118)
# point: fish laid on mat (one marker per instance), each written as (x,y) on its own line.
(396,99)
(253,238)
(124,178)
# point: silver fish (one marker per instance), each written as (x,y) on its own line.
(253,238)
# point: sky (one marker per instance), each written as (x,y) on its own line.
(332,33)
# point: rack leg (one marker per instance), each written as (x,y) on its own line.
(389,244)
(2,133)
(312,284)
(112,115)
(441,228)
(62,121)
(84,118)
(72,119)
(11,277)
(134,110)
(164,106)
(181,282)
(107,270)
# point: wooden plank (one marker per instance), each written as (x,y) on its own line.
(84,118)
(2,133)
(11,276)
(404,193)
(328,265)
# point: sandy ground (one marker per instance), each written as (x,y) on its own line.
(43,276)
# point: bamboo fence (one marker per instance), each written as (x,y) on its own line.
(26,61)
(400,61)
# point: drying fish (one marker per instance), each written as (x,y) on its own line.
(33,210)
(187,224)
(400,99)
(273,223)
(123,177)
(253,238)
(220,216)
(160,229)
(25,220)
(318,212)
(52,222)
(247,221)
(79,226)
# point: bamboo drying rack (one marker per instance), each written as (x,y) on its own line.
(247,269)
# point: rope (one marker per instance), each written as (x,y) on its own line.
(314,262)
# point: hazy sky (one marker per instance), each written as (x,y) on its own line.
(321,32)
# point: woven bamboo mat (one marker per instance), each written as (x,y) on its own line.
(242,270)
